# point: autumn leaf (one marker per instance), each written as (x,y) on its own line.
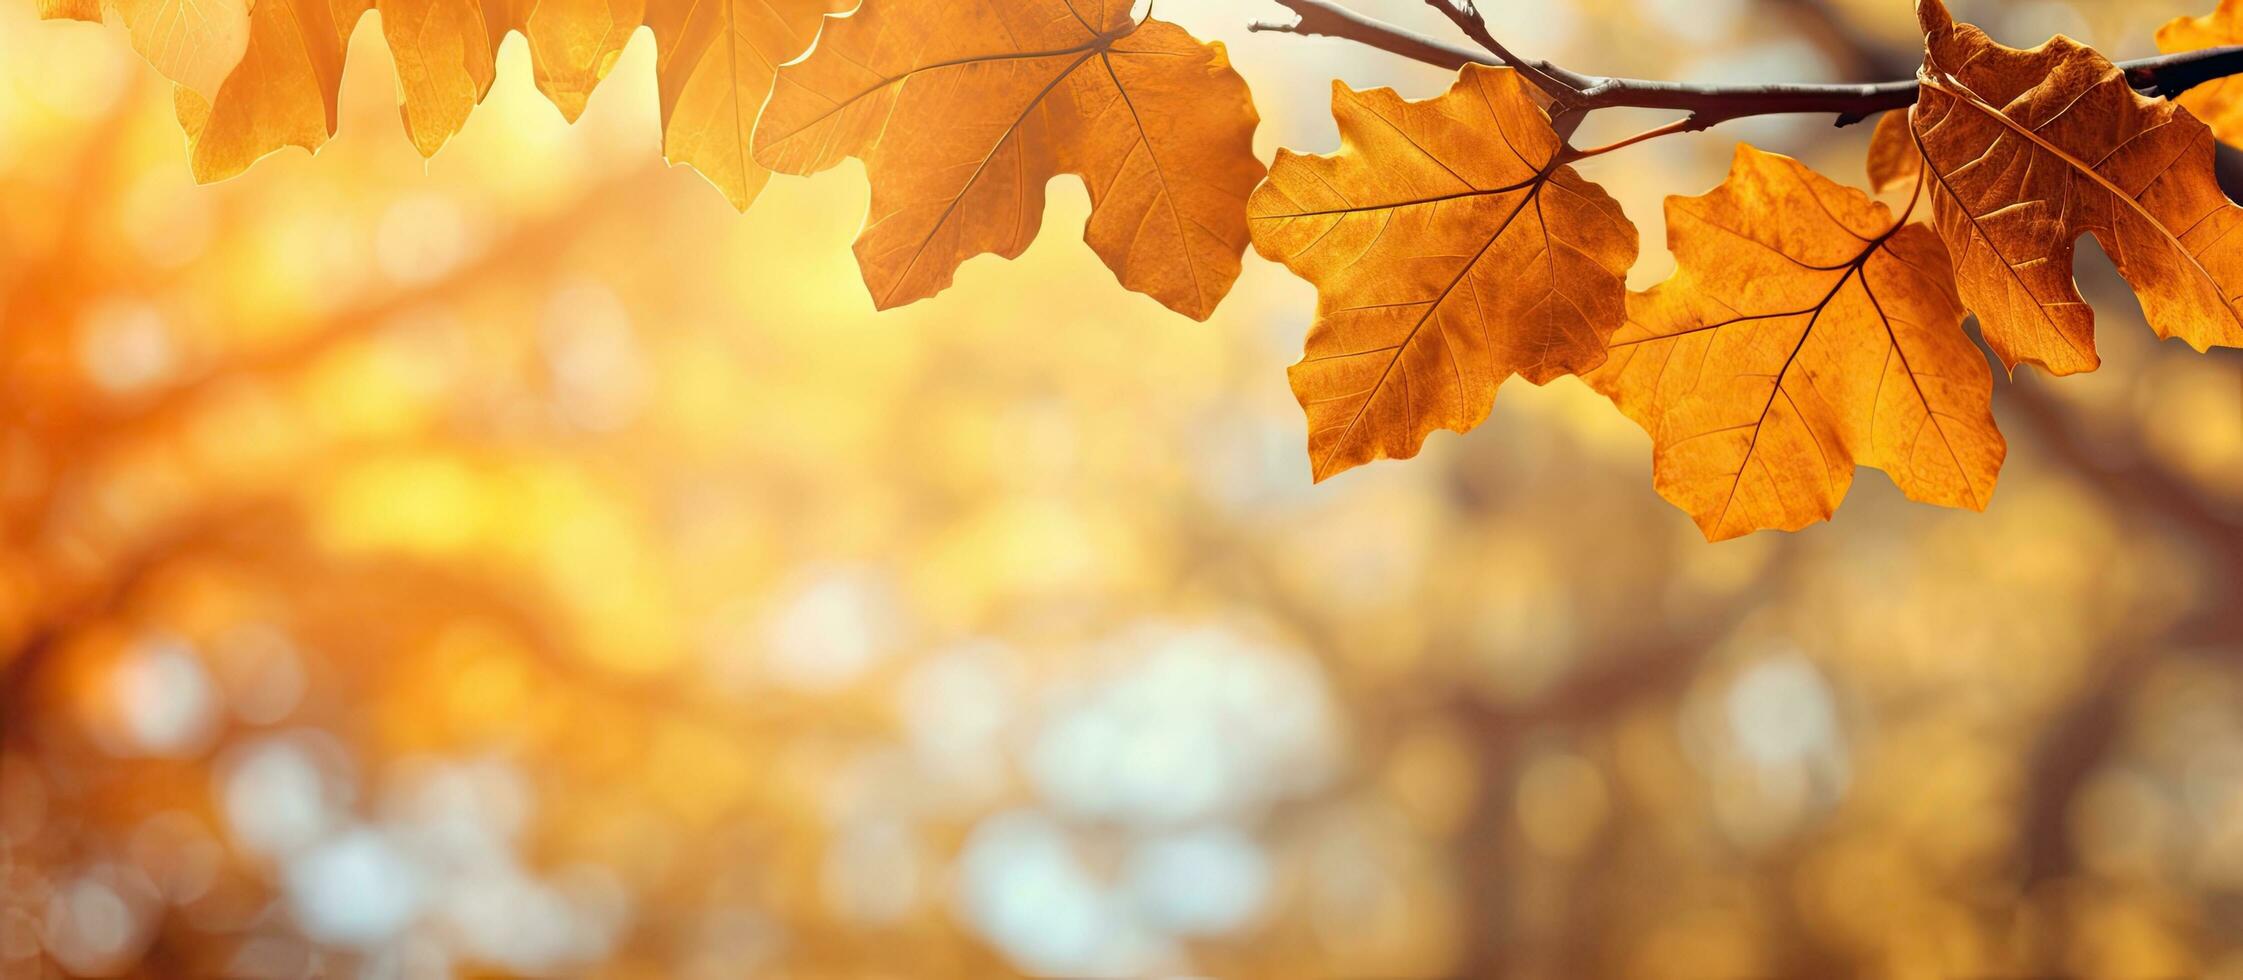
(962,112)
(87,10)
(1450,249)
(1893,161)
(2028,149)
(192,42)
(2218,102)
(575,43)
(282,92)
(717,59)
(1805,331)
(445,55)
(278,86)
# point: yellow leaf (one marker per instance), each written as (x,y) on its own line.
(716,65)
(962,112)
(89,10)
(193,42)
(444,51)
(1450,250)
(716,60)
(574,44)
(1805,330)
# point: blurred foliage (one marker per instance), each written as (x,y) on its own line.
(520,564)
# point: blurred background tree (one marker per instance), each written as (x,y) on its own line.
(521,564)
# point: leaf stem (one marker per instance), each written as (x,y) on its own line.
(1678,126)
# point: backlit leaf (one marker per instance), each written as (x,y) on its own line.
(192,42)
(278,87)
(717,59)
(963,111)
(1451,249)
(445,63)
(281,94)
(1805,330)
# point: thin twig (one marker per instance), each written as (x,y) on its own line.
(1564,87)
(1706,104)
(1677,126)
(1321,19)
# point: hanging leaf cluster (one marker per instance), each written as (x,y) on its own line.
(1808,329)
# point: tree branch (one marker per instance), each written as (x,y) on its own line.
(1706,104)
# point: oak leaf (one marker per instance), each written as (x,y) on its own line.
(1451,248)
(282,92)
(1805,330)
(2030,148)
(962,112)
(277,86)
(2218,102)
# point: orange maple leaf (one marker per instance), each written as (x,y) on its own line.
(962,113)
(1451,249)
(1805,330)
(2028,149)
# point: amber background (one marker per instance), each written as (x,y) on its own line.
(520,563)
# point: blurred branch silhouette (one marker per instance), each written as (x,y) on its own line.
(527,247)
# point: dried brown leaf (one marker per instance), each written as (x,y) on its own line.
(2029,149)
